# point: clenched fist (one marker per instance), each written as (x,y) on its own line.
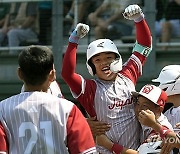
(133,12)
(79,32)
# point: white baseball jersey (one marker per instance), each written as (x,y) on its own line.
(173,115)
(113,104)
(111,101)
(40,123)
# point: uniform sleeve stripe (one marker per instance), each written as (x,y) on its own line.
(2,152)
(137,62)
(83,85)
(90,151)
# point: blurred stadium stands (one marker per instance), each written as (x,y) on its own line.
(58,39)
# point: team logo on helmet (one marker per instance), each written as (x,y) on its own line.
(101,45)
(147,89)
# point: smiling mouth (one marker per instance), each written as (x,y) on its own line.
(106,69)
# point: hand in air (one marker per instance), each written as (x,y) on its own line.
(82,30)
(79,32)
(133,12)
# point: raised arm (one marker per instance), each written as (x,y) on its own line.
(143,34)
(69,62)
(142,47)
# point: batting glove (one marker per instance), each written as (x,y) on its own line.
(80,31)
(133,12)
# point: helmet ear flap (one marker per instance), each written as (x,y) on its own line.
(91,68)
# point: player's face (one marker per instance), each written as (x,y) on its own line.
(145,104)
(102,63)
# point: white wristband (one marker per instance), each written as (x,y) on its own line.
(140,18)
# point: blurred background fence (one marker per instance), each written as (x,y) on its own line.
(56,19)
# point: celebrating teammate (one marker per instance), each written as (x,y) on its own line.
(38,122)
(169,79)
(108,97)
(149,107)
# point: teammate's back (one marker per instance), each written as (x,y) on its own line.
(36,122)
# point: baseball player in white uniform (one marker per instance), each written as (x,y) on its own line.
(150,104)
(109,95)
(36,122)
(169,79)
(149,107)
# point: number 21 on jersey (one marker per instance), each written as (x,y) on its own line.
(46,126)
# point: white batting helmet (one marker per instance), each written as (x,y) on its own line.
(99,46)
(169,79)
(150,147)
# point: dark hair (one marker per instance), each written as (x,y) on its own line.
(35,62)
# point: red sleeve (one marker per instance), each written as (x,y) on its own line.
(79,136)
(133,68)
(74,80)
(87,98)
(3,139)
(68,69)
(143,34)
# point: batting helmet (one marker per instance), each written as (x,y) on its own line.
(99,46)
(169,79)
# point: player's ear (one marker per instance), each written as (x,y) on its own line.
(19,72)
(54,72)
(52,75)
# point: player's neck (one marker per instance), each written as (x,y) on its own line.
(176,103)
(176,100)
(30,88)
